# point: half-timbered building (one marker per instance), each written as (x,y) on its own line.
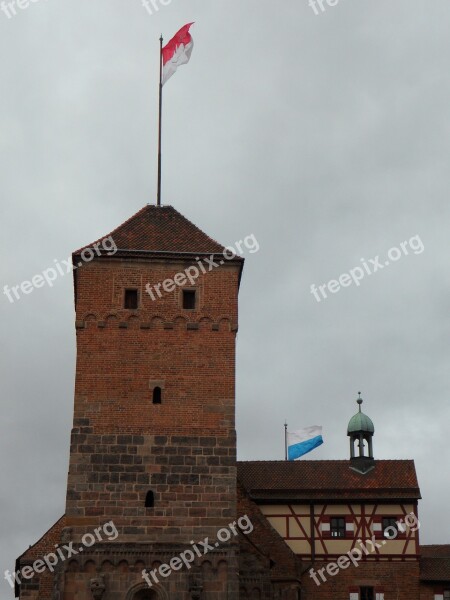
(353,523)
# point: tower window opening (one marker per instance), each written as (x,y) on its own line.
(157,395)
(150,500)
(131,299)
(366,593)
(189,299)
(337,527)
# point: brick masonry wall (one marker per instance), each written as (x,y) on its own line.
(397,580)
(120,570)
(123,354)
(41,586)
(123,445)
(265,557)
(429,589)
(193,480)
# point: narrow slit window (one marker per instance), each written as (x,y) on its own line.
(157,395)
(189,299)
(131,299)
(150,500)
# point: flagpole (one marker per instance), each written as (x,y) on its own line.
(285,441)
(158,201)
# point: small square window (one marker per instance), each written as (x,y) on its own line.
(337,527)
(389,523)
(189,299)
(131,299)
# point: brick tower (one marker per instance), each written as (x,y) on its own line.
(153,444)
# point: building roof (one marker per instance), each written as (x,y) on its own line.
(266,542)
(42,547)
(328,479)
(435,563)
(435,550)
(160,229)
(46,543)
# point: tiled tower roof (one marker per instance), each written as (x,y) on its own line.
(161,229)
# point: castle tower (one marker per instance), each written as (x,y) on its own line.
(153,446)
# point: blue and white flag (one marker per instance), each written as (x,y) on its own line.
(303,441)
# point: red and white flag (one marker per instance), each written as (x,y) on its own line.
(177,52)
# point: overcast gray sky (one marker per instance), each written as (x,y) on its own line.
(326,136)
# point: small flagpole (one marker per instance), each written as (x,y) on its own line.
(158,201)
(285,441)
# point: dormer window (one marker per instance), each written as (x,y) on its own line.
(131,299)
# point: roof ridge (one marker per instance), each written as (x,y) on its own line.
(141,210)
(194,225)
(111,233)
(55,524)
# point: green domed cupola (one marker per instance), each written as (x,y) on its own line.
(360,431)
(360,421)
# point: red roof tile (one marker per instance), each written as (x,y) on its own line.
(46,543)
(161,229)
(42,547)
(435,551)
(435,563)
(328,479)
(266,542)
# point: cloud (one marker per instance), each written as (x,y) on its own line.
(326,136)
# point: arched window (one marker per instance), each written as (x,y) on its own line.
(145,594)
(150,500)
(157,395)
